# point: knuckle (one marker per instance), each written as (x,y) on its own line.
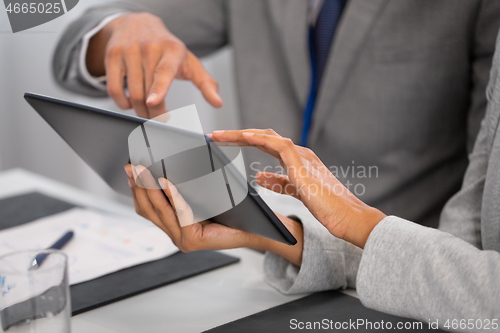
(289,142)
(188,244)
(181,247)
(114,52)
(113,90)
(136,96)
(136,100)
(308,151)
(174,46)
(149,49)
(163,216)
(184,248)
(165,69)
(190,247)
(144,15)
(140,213)
(131,50)
(270,131)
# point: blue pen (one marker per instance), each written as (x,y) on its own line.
(57,245)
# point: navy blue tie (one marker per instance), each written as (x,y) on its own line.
(320,41)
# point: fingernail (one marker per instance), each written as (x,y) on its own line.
(130,182)
(162,183)
(139,170)
(127,171)
(137,175)
(218,132)
(134,172)
(151,98)
(171,187)
(246,134)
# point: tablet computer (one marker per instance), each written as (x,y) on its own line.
(101,139)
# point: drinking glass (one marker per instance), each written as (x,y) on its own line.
(34,299)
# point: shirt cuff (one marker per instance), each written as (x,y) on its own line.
(96,82)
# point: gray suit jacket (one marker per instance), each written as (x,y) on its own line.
(414,271)
(402,95)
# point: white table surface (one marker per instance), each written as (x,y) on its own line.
(191,305)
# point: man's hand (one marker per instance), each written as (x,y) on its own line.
(139,48)
(310,181)
(177,222)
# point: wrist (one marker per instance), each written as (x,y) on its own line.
(109,28)
(96,50)
(362,224)
(289,252)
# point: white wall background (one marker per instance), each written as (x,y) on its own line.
(26,141)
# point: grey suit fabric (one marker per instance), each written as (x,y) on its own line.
(402,95)
(414,271)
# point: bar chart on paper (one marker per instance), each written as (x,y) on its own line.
(102,243)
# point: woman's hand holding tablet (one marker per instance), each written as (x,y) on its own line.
(152,204)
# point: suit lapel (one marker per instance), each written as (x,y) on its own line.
(354,26)
(290,19)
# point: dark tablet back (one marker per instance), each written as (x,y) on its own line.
(100,138)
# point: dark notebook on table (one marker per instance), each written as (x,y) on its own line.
(121,284)
(320,312)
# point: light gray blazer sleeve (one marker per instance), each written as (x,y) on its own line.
(423,273)
(201,25)
(461,216)
(440,274)
(483,47)
(327,263)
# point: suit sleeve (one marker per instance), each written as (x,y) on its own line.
(201,25)
(422,273)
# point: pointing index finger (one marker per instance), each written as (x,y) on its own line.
(165,72)
(267,141)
